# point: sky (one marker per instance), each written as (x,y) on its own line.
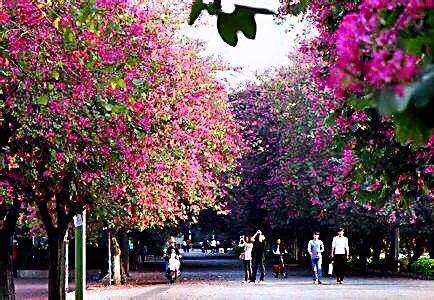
(269,49)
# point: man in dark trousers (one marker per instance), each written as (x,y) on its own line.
(258,256)
(340,253)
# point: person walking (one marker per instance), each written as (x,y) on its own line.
(258,256)
(278,267)
(278,251)
(247,243)
(315,248)
(205,245)
(168,252)
(340,252)
(213,245)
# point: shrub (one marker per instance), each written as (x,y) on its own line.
(423,266)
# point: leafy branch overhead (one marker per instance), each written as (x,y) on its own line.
(229,24)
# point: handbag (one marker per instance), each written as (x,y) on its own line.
(242,256)
(330,268)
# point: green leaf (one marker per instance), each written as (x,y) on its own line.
(138,82)
(107,106)
(409,128)
(424,90)
(388,102)
(119,109)
(300,7)
(330,120)
(122,84)
(415,45)
(132,61)
(42,100)
(360,103)
(55,74)
(241,19)
(196,10)
(69,38)
(113,82)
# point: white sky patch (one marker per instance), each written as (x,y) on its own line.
(269,49)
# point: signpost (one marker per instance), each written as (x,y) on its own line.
(66,262)
(80,256)
(396,248)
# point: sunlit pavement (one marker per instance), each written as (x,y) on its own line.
(224,283)
(298,287)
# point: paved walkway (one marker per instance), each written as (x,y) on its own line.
(226,283)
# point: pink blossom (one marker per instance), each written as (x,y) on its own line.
(429,169)
(4,18)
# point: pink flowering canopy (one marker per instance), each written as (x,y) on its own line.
(378,53)
(102,108)
(285,170)
(305,165)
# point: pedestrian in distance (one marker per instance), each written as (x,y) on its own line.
(315,248)
(168,252)
(278,267)
(278,251)
(258,256)
(340,253)
(213,245)
(205,245)
(246,256)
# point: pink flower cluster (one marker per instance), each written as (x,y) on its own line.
(366,50)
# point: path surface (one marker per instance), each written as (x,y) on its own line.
(201,282)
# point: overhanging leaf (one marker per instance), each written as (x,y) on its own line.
(409,128)
(196,10)
(424,90)
(241,19)
(388,102)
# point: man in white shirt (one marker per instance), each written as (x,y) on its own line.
(340,252)
(315,248)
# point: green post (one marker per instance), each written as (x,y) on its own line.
(80,255)
(396,248)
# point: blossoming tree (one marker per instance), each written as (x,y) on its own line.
(101,109)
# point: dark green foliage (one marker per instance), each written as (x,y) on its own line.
(424,266)
(229,24)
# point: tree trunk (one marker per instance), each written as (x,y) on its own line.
(377,244)
(56,273)
(117,269)
(365,252)
(124,245)
(393,253)
(116,254)
(7,288)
